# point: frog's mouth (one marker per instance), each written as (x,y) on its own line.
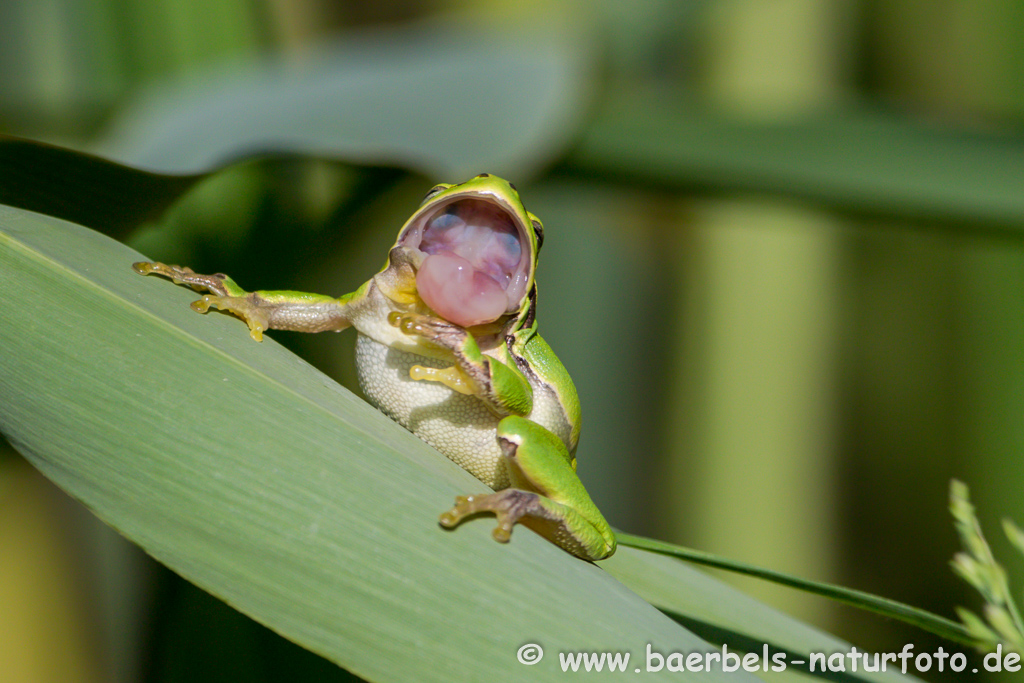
(476,259)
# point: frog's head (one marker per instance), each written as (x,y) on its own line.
(475,249)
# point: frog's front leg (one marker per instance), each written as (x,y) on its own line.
(502,387)
(546,495)
(261,310)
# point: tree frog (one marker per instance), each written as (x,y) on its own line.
(447,346)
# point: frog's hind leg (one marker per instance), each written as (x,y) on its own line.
(261,310)
(547,496)
(516,506)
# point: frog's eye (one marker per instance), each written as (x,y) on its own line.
(538,230)
(434,191)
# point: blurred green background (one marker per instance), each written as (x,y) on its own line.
(783,265)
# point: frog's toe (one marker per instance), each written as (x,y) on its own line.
(502,533)
(146,267)
(176,273)
(409,323)
(202,305)
(454,517)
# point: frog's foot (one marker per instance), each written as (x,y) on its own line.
(433,329)
(245,307)
(451,377)
(509,505)
(218,283)
(226,295)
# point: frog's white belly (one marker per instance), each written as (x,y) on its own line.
(458,425)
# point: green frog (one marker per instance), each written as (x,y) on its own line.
(447,346)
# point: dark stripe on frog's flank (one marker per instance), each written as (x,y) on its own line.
(521,363)
(531,314)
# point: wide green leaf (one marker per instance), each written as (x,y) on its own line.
(261,480)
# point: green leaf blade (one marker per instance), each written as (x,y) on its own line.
(259,479)
(862,161)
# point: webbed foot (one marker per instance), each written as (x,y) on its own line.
(414,324)
(508,505)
